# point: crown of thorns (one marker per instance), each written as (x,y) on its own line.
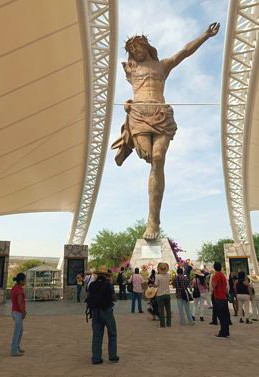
(141,39)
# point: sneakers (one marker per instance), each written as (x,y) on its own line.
(241,320)
(114,359)
(201,319)
(248,322)
(254,319)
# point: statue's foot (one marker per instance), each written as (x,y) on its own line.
(152,232)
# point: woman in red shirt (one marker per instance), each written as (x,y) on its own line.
(18,313)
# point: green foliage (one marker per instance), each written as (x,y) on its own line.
(213,252)
(22,267)
(256,244)
(111,248)
(25,266)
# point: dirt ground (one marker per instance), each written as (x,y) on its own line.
(57,341)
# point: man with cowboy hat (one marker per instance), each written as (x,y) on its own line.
(163,294)
(100,300)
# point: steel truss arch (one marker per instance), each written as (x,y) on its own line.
(240,78)
(98,26)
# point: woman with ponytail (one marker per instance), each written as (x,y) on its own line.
(18,313)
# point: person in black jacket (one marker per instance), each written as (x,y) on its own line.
(100,300)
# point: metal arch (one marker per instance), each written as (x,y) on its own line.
(239,71)
(98,24)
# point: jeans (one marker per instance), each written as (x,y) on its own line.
(101,319)
(18,330)
(122,292)
(222,312)
(78,292)
(164,304)
(136,296)
(182,304)
(199,303)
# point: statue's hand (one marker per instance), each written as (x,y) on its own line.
(213,29)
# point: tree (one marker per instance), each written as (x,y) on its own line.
(213,252)
(112,248)
(256,244)
(22,267)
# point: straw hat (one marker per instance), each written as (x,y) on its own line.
(253,278)
(163,268)
(102,271)
(198,272)
(150,292)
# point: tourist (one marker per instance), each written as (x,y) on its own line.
(241,287)
(18,313)
(163,294)
(232,298)
(122,282)
(79,286)
(137,281)
(183,296)
(100,300)
(145,275)
(220,294)
(153,307)
(254,296)
(214,320)
(188,269)
(152,278)
(89,278)
(206,273)
(199,294)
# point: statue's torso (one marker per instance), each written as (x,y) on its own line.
(147,80)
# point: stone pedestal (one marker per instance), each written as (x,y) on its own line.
(150,253)
(240,257)
(75,262)
(4,261)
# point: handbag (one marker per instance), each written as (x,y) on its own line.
(130,287)
(196,292)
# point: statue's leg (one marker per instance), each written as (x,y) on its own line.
(156,185)
(143,146)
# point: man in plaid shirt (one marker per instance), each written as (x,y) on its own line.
(181,284)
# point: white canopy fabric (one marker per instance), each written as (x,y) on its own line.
(42,130)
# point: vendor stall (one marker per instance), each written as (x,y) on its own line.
(43,283)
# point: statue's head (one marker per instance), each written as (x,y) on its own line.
(138,46)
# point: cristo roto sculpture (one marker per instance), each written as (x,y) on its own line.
(150,124)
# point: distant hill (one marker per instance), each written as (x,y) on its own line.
(17,259)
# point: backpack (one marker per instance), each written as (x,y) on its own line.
(120,278)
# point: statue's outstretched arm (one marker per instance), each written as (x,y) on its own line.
(191,47)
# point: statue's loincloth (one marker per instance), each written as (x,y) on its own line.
(143,119)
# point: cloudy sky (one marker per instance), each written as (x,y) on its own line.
(194,205)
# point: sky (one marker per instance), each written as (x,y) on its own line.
(194,206)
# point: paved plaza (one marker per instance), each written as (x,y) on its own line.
(57,341)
